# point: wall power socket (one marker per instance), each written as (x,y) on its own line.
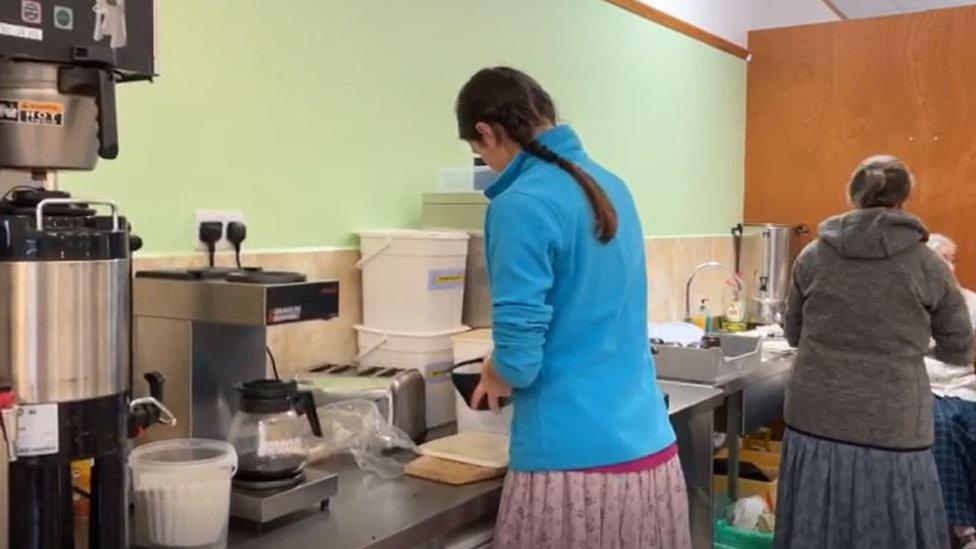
(222,216)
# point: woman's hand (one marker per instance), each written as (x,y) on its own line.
(491,386)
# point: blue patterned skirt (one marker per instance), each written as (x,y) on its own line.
(955,457)
(843,496)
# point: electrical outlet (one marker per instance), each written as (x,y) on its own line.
(224,217)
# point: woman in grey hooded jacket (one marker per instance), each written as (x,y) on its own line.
(868,296)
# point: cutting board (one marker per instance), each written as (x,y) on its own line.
(450,472)
(482,449)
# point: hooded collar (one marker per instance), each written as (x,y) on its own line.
(562,140)
(873,233)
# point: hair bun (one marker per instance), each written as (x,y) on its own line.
(880,181)
(874,179)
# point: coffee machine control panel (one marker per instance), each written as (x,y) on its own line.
(299,302)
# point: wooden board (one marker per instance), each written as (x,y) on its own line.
(450,472)
(482,449)
(823,97)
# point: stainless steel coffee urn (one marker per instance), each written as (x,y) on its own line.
(64,346)
(764,255)
(65,269)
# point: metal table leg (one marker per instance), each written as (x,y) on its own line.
(695,447)
(733,431)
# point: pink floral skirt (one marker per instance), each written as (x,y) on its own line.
(647,509)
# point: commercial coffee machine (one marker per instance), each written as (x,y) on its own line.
(65,376)
(206,330)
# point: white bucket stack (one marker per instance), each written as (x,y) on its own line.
(413,293)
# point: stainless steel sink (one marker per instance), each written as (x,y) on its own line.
(712,366)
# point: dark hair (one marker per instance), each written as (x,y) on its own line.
(880,182)
(508,98)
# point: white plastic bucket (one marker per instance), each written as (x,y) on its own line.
(469,346)
(477,291)
(181,489)
(413,280)
(428,352)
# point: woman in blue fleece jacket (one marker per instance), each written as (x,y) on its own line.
(593,454)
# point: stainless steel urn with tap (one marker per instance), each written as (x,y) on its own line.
(764,256)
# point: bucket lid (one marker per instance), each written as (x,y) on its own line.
(185,452)
(414,234)
(440,333)
(477,198)
(479,336)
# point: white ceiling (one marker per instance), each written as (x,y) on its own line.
(873,8)
(733,19)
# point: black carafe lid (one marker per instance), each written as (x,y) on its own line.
(68,231)
(267,396)
(24,201)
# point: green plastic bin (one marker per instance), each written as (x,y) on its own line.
(730,537)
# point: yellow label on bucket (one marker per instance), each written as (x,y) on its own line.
(445,279)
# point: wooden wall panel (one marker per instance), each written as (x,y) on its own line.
(823,97)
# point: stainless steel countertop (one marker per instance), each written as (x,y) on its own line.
(771,365)
(372,512)
(686,396)
(376,513)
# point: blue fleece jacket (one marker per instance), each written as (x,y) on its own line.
(570,317)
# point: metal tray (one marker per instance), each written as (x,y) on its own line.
(709,366)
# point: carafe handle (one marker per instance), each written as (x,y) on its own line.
(306,406)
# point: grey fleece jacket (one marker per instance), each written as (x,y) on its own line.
(867,299)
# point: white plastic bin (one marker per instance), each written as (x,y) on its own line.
(181,489)
(469,346)
(413,281)
(428,352)
(464,179)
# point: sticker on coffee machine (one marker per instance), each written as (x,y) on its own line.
(31,12)
(37,430)
(41,113)
(9,111)
(20,31)
(64,18)
(280,315)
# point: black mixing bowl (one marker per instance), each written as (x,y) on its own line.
(467,381)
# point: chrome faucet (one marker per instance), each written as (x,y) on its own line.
(707,265)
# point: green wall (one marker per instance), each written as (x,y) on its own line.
(320,118)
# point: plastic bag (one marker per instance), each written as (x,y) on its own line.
(358,427)
(746,512)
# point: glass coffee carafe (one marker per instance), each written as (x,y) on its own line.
(269,433)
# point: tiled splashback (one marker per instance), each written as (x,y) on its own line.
(671,260)
(299,346)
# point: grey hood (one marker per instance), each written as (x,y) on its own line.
(873,233)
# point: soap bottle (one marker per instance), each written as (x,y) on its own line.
(735,315)
(702,318)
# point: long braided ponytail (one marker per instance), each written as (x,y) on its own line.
(511,99)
